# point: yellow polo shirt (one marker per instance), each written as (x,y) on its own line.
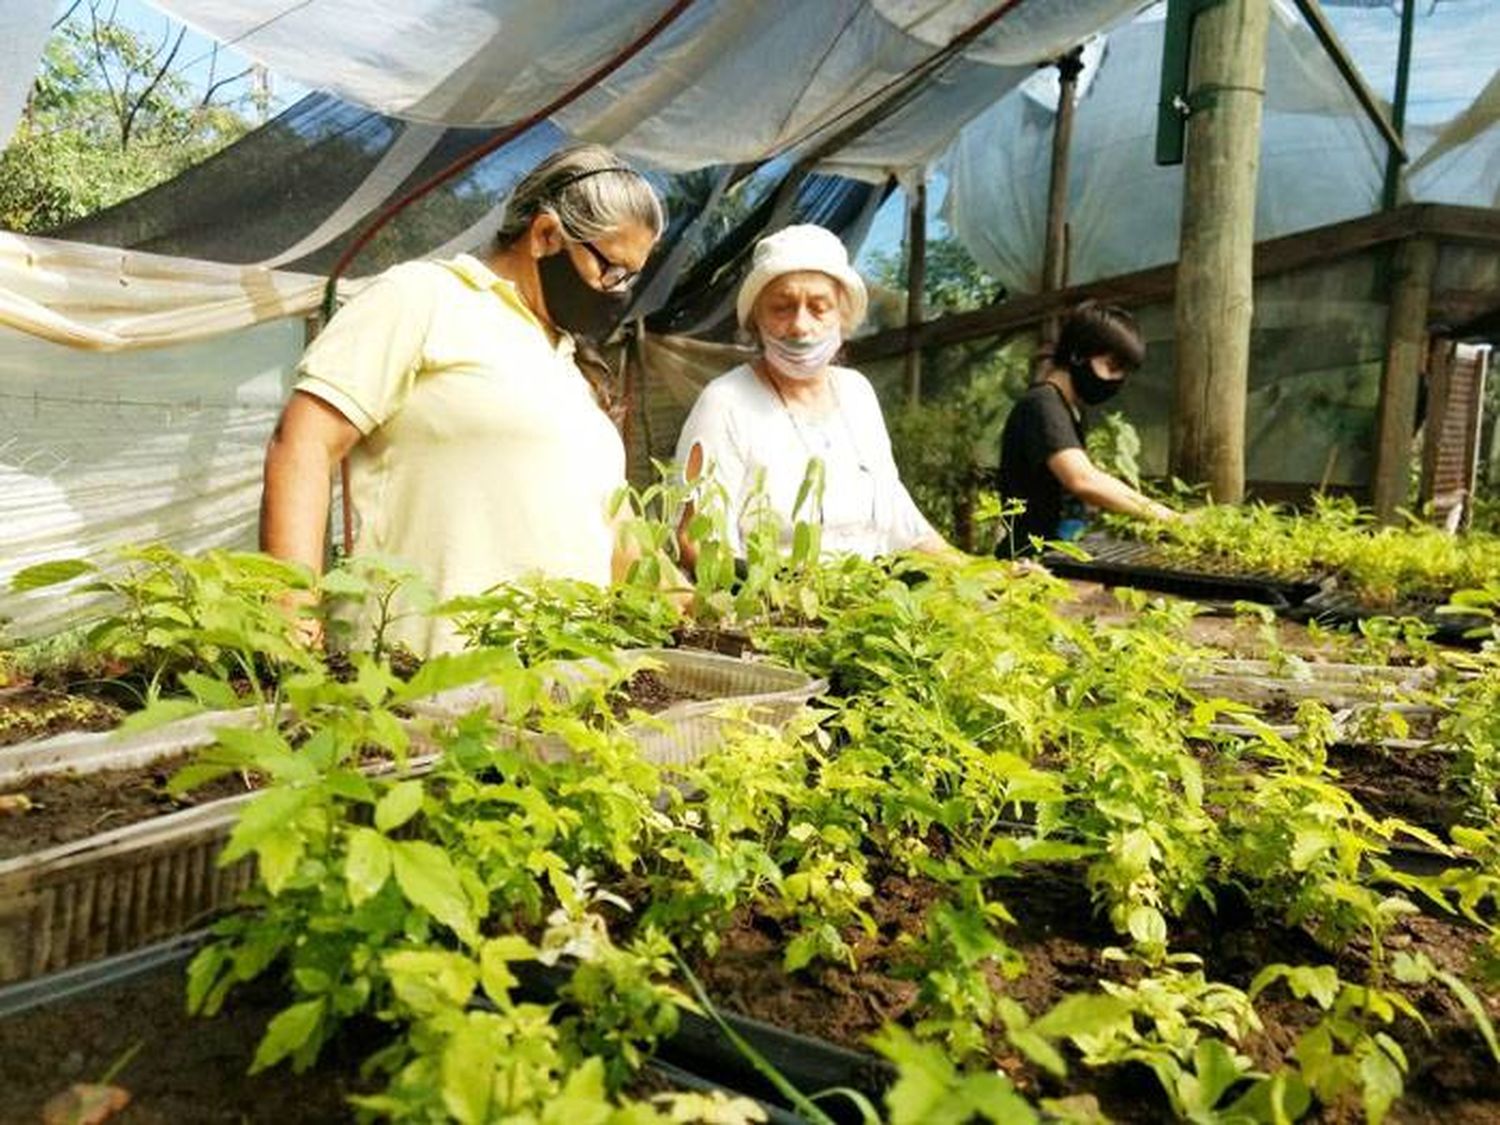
(485,455)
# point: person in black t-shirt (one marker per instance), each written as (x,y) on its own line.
(1043,457)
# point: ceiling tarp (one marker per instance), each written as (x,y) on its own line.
(726,82)
(24,27)
(1322,161)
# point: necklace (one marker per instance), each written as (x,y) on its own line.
(838,408)
(867,476)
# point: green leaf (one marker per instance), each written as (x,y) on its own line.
(1381,1083)
(495,957)
(368,865)
(45,574)
(1216,1070)
(452,670)
(270,813)
(1083,1013)
(278,855)
(429,880)
(210,692)
(289,1031)
(158,713)
(431,980)
(399,805)
(468,1073)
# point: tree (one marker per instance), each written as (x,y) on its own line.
(110,115)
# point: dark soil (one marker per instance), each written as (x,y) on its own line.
(186,1070)
(28,712)
(1407,784)
(67,807)
(83,697)
(726,642)
(647,691)
(1061,940)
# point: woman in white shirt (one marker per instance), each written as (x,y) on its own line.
(755,429)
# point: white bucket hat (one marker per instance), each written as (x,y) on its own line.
(806,246)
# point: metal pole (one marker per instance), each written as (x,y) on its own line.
(1054,252)
(916,282)
(1397,156)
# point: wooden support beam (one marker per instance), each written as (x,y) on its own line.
(1055,248)
(1406,349)
(1439,367)
(1215,275)
(916,283)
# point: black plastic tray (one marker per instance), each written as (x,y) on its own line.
(1120,562)
(1342,607)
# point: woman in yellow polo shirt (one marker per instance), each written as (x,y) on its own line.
(477,450)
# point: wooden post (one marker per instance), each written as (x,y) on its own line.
(1055,250)
(916,282)
(1439,369)
(1405,349)
(1214,272)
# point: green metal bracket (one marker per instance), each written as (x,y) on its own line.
(1173,106)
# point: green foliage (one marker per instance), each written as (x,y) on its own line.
(108,117)
(422,869)
(1115,446)
(1381,564)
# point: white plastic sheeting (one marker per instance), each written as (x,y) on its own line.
(137,393)
(24,27)
(100,298)
(98,450)
(1322,160)
(727,81)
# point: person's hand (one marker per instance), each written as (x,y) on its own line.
(307,627)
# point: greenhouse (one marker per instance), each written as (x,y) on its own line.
(804,802)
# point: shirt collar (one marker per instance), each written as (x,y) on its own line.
(478,275)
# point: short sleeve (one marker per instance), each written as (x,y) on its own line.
(363,364)
(710,426)
(1051,429)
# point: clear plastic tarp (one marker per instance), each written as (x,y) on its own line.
(99,449)
(24,27)
(727,81)
(1322,160)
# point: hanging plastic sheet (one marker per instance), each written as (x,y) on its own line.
(726,82)
(24,27)
(149,445)
(102,299)
(1321,159)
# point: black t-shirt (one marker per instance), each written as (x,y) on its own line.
(1040,425)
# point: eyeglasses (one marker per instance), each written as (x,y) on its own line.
(613,277)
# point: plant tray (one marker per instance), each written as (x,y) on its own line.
(1119,562)
(1343,607)
(119,890)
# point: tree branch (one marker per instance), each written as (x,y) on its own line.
(150,86)
(209,93)
(66,16)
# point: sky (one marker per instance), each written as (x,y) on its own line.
(197,53)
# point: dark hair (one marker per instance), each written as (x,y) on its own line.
(1092,329)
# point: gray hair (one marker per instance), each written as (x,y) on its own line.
(590,191)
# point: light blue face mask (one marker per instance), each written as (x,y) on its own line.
(801,358)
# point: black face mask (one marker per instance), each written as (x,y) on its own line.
(573,304)
(1087,384)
